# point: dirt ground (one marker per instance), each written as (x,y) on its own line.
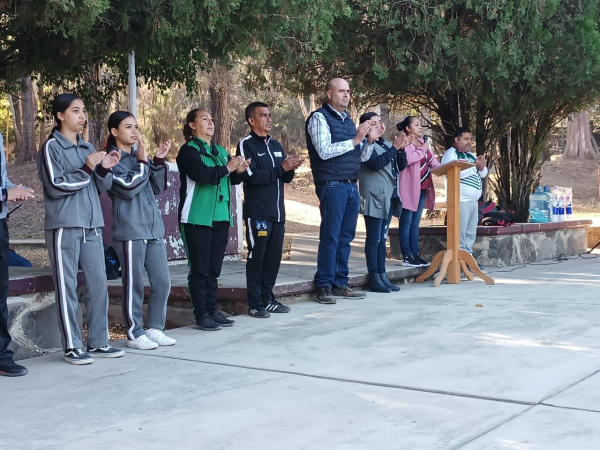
(28,221)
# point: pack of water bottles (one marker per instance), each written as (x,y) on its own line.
(562,204)
(555,204)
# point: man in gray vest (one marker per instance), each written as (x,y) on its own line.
(334,148)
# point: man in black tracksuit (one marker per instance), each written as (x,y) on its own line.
(264,210)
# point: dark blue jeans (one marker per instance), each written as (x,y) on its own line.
(375,248)
(339,206)
(408,230)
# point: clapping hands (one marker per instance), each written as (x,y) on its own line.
(480,163)
(292,163)
(401,141)
(238,164)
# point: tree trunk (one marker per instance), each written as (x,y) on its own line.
(502,185)
(95,126)
(16,118)
(219,107)
(448,110)
(27,150)
(43,134)
(580,143)
(285,142)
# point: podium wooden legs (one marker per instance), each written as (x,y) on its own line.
(437,260)
(443,259)
(470,261)
(443,268)
(467,272)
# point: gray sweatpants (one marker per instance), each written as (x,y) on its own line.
(134,256)
(69,249)
(469,217)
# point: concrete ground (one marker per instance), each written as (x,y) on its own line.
(474,367)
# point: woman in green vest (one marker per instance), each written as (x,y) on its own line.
(207,172)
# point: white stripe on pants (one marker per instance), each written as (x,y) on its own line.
(68,249)
(135,256)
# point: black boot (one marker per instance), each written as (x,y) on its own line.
(385,280)
(376,285)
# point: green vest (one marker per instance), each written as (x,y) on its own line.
(211,203)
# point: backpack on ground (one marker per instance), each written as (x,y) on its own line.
(492,216)
(111,261)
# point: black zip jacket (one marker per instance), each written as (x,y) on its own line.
(263,181)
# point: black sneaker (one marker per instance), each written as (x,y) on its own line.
(421,261)
(77,356)
(259,313)
(206,323)
(348,292)
(219,318)
(409,261)
(105,352)
(9,368)
(275,307)
(325,296)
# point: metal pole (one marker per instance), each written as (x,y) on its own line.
(132,85)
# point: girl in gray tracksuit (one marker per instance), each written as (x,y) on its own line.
(138,232)
(73,174)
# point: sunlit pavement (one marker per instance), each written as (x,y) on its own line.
(469,366)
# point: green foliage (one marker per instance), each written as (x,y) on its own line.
(172,38)
(519,65)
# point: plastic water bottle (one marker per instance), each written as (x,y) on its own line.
(536,200)
(547,204)
(555,216)
(568,208)
(561,206)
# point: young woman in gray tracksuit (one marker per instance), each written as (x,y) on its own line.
(73,174)
(138,231)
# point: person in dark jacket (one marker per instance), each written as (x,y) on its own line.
(264,209)
(207,172)
(377,186)
(334,148)
(138,231)
(8,192)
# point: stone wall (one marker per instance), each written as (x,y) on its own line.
(510,249)
(33,325)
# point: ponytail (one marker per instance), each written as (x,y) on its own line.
(54,128)
(187,132)
(110,140)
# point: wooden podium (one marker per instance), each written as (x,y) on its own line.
(453,260)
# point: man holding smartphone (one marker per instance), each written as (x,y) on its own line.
(9,192)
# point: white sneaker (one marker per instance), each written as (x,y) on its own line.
(142,343)
(159,337)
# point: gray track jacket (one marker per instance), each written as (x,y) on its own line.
(135,211)
(71,188)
